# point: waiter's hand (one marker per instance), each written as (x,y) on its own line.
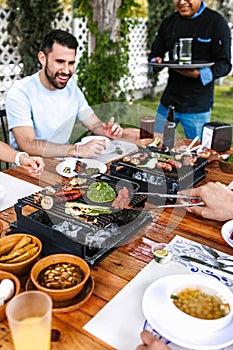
(191,73)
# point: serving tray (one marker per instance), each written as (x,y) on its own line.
(174,65)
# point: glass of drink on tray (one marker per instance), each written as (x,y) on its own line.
(147,127)
(29,315)
(185,50)
(182,52)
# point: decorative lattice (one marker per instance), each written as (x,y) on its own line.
(11,66)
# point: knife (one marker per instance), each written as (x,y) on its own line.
(201,262)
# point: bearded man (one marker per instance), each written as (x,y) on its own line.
(42,108)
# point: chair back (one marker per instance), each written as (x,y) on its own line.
(4,136)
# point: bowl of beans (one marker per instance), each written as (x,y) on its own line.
(62,276)
(201,302)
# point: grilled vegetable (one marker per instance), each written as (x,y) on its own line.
(85,209)
(47,202)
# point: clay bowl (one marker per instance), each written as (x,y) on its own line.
(12,277)
(23,267)
(59,293)
(224,165)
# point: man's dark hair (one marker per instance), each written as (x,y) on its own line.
(59,36)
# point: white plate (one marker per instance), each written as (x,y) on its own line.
(71,162)
(2,191)
(110,146)
(227,229)
(156,310)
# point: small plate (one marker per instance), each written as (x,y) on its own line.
(227,229)
(71,162)
(73,304)
(157,313)
(2,191)
(170,64)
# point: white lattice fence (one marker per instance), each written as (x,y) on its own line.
(10,66)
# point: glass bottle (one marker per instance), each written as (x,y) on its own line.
(169,129)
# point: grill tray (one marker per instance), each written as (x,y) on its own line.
(62,233)
(158,180)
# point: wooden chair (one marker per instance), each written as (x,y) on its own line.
(4,135)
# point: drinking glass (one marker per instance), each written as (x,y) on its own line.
(182,51)
(147,127)
(185,50)
(29,315)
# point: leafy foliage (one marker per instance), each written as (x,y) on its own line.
(100,73)
(158,9)
(29,21)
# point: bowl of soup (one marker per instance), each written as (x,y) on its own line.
(201,302)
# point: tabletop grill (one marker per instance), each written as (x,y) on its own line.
(92,240)
(158,180)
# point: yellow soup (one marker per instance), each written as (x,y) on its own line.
(196,303)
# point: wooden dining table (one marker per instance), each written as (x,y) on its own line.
(117,269)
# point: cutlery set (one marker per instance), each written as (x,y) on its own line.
(215,260)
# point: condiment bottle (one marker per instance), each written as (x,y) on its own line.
(169,129)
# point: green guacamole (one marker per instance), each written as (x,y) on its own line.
(101,192)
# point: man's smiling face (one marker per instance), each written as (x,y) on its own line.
(57,66)
(187,8)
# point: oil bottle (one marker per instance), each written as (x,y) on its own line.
(169,129)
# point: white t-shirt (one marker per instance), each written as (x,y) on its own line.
(52,113)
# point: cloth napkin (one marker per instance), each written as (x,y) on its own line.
(120,322)
(15,189)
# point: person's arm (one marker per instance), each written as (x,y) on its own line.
(150,342)
(26,139)
(33,164)
(218,200)
(94,148)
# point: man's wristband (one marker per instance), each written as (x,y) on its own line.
(76,149)
(18,155)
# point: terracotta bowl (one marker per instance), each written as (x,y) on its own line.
(10,276)
(23,267)
(60,294)
(225,166)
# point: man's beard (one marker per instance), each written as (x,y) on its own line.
(52,79)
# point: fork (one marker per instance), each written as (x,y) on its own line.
(220,265)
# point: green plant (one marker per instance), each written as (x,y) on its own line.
(29,21)
(100,73)
(157,10)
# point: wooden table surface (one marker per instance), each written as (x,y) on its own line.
(117,269)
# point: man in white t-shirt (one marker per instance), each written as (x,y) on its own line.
(42,108)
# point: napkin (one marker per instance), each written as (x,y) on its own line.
(120,322)
(15,189)
(125,147)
